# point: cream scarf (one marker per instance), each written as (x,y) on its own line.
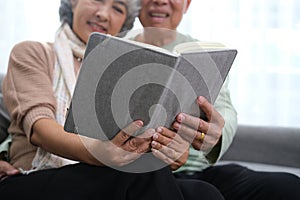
(66,45)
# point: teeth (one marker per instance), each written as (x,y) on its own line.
(158,15)
(97,27)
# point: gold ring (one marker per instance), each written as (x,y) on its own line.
(202,137)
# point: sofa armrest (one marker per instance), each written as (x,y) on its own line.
(4,118)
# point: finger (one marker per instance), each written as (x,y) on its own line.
(205,106)
(143,141)
(166,132)
(178,147)
(158,137)
(170,152)
(204,141)
(156,145)
(162,156)
(144,147)
(131,145)
(138,145)
(127,132)
(191,121)
(211,113)
(199,141)
(171,134)
(200,136)
(146,134)
(162,139)
(184,131)
(188,133)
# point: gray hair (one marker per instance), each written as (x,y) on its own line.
(66,14)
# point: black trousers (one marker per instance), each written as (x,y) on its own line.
(86,182)
(236,182)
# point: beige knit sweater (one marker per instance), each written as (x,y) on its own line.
(28,95)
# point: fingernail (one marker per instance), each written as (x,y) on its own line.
(159,129)
(155,136)
(139,123)
(180,118)
(153,150)
(176,125)
(154,143)
(200,99)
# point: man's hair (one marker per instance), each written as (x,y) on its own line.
(66,14)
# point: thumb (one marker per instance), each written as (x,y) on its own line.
(13,172)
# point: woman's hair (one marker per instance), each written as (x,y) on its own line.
(66,14)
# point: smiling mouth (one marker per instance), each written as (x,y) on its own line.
(97,28)
(160,15)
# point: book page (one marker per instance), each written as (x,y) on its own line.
(189,47)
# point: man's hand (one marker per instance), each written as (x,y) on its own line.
(203,135)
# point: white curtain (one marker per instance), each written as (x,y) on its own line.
(26,20)
(265,78)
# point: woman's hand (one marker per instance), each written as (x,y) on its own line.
(6,169)
(203,135)
(123,148)
(170,147)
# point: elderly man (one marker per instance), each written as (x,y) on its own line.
(160,18)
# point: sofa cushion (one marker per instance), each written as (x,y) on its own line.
(264,167)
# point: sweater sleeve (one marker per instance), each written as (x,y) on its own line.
(225,107)
(27,87)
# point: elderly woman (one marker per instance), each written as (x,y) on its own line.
(46,74)
(37,91)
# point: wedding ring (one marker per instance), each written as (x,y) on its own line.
(202,137)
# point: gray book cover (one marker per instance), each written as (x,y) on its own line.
(121,81)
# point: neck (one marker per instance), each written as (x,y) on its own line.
(156,36)
(78,58)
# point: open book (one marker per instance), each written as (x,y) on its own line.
(121,81)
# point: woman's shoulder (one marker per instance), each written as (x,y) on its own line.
(32,47)
(32,54)
(33,51)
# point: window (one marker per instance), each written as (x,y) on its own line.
(26,20)
(265,78)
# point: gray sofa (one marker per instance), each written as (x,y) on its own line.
(4,118)
(265,148)
(257,147)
